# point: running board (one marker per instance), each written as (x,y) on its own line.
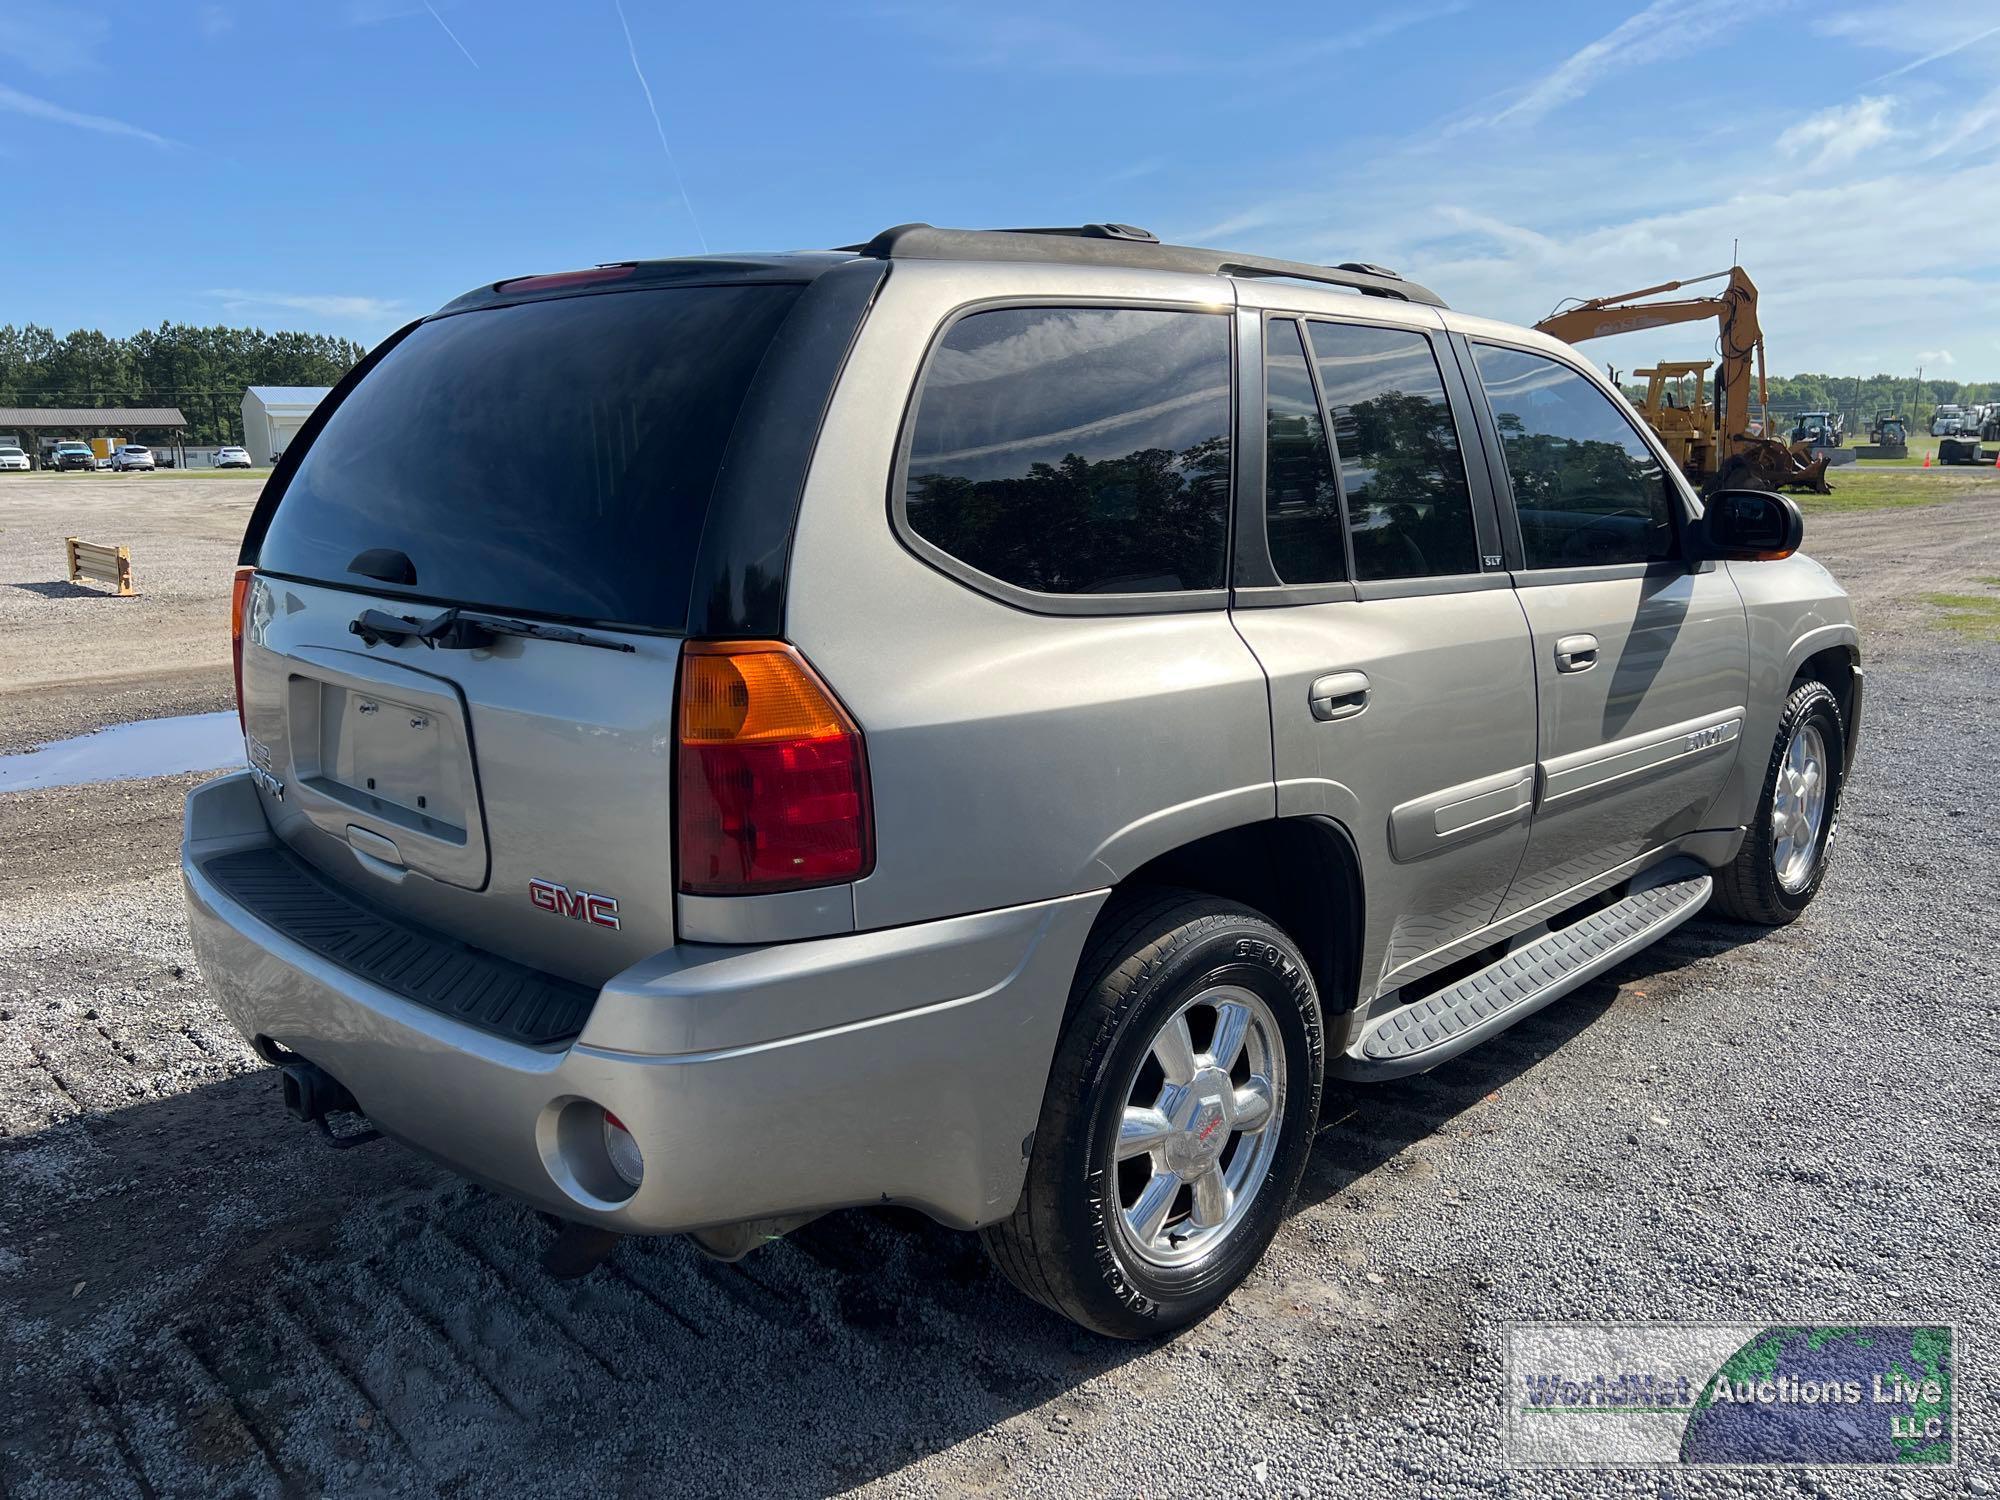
(1417,1037)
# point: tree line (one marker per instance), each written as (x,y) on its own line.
(203,371)
(1860,397)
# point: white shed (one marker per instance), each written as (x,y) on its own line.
(273,414)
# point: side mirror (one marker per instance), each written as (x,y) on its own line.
(1749,526)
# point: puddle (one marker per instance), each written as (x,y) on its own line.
(149,747)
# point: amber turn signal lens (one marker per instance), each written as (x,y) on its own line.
(773,780)
(239,600)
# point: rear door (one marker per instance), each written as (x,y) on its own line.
(548,462)
(1641,660)
(1371,589)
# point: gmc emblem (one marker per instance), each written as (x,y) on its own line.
(581,906)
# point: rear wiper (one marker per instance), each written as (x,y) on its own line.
(465,630)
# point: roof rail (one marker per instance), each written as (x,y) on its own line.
(1123,245)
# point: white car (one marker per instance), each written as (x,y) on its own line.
(131,456)
(232,458)
(13,458)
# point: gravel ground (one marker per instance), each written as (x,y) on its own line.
(75,657)
(196,1298)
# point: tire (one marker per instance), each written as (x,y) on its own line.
(1750,888)
(1069,1243)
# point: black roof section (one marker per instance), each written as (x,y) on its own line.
(1124,245)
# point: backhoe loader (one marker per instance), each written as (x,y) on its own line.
(1713,442)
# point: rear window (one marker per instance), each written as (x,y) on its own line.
(1079,450)
(552,458)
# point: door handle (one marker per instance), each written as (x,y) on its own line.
(1576,653)
(1338,695)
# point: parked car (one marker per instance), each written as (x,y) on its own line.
(232,458)
(66,456)
(992,735)
(14,459)
(131,456)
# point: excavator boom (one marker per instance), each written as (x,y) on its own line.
(1740,339)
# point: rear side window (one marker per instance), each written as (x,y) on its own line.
(1408,505)
(1301,501)
(553,458)
(1078,450)
(1587,489)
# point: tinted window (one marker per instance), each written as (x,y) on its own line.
(555,457)
(1586,488)
(1077,450)
(1301,501)
(1400,465)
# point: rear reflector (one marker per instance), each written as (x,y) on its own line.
(773,782)
(239,599)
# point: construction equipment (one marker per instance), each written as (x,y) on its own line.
(1820,429)
(1888,437)
(1722,451)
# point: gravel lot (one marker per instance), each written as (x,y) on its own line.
(74,657)
(197,1298)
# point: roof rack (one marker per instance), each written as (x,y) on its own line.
(1125,245)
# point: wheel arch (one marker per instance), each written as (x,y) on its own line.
(1302,872)
(1833,657)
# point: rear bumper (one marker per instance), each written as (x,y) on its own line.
(905,1065)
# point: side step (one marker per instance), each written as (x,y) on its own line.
(1417,1037)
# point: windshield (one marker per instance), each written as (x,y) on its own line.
(552,457)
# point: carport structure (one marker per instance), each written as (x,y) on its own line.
(40,427)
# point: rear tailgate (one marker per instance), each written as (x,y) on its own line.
(540,466)
(487,794)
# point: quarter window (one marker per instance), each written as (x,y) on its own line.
(1080,450)
(1408,505)
(1301,500)
(1587,489)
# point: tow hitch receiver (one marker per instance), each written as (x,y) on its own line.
(312,1093)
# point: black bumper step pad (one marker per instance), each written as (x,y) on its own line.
(426,968)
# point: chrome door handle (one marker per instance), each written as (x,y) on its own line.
(1338,695)
(1576,653)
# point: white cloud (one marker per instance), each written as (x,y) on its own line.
(1974,127)
(1841,134)
(345,308)
(1933,359)
(50,38)
(1664,29)
(1939,53)
(16,102)
(214,20)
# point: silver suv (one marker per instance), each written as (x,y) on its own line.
(985,721)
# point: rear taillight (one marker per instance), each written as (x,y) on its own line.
(239,600)
(773,778)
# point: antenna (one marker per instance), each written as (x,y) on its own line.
(1734,247)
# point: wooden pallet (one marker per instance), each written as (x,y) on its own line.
(100,564)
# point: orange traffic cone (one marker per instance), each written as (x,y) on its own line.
(1927,458)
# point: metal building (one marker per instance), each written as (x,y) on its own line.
(273,414)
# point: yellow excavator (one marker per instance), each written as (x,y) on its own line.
(1713,443)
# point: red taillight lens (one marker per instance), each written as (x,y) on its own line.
(239,600)
(773,782)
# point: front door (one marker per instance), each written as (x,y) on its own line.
(1641,661)
(1401,676)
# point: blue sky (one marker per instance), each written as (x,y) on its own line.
(345,165)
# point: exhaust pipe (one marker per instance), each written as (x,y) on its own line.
(312,1093)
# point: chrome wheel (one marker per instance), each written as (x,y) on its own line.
(1200,1126)
(1798,808)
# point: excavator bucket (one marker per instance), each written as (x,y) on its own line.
(1766,464)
